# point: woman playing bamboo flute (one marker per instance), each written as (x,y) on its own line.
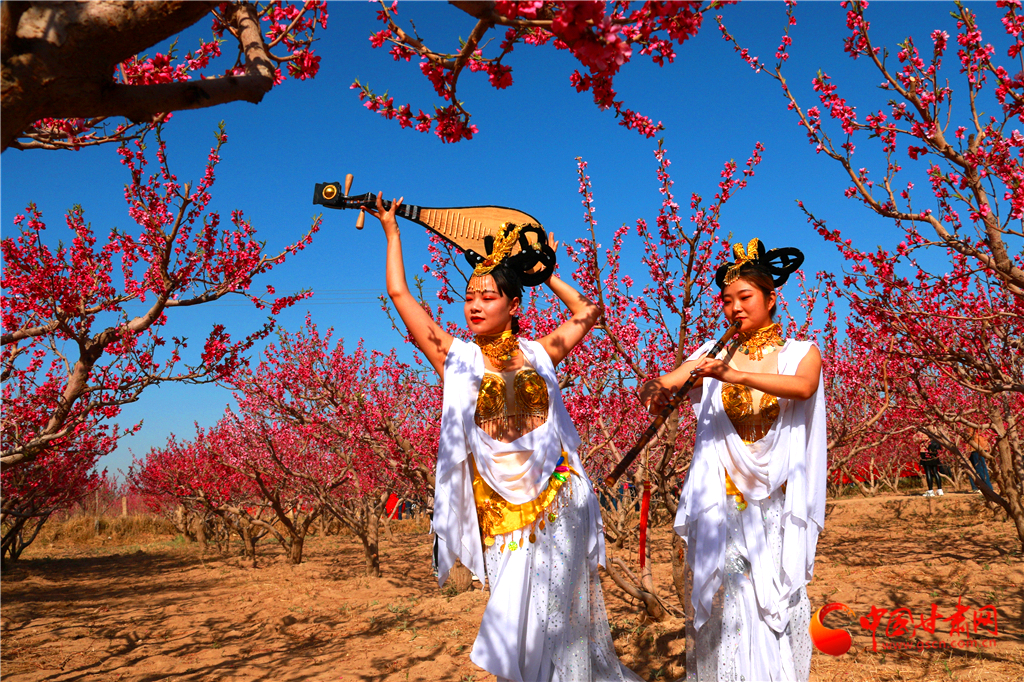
(754,498)
(511,496)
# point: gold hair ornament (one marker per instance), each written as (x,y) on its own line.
(778,264)
(503,243)
(741,259)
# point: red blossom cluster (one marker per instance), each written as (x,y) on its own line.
(73,354)
(161,68)
(601,36)
(52,483)
(319,431)
(288,34)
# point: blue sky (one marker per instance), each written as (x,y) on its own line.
(713,106)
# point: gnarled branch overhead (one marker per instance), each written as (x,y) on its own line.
(60,60)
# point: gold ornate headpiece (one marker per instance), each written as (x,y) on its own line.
(741,259)
(778,264)
(503,243)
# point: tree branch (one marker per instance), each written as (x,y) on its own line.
(59,57)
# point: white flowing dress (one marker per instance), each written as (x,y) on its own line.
(750,568)
(545,619)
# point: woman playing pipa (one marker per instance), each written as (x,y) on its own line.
(512,500)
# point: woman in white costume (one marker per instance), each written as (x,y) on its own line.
(512,501)
(754,498)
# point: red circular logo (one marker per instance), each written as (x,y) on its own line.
(830,641)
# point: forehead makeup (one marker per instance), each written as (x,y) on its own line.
(481,285)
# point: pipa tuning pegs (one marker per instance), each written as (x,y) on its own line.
(348,183)
(361,220)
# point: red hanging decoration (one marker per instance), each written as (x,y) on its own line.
(645,505)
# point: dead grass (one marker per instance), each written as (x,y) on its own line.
(115,530)
(159,609)
(417,525)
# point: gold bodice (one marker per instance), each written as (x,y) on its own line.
(511,403)
(752,425)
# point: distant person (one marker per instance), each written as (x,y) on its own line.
(930,464)
(979,446)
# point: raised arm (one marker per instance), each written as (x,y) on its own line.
(799,386)
(585,314)
(430,338)
(656,393)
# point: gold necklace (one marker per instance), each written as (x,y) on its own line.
(759,341)
(499,349)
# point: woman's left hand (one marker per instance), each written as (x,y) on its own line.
(552,243)
(554,247)
(716,369)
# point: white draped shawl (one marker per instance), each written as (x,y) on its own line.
(455,518)
(793,452)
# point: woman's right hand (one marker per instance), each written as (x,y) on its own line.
(433,341)
(387,218)
(655,396)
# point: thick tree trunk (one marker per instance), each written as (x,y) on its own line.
(249,542)
(200,532)
(9,548)
(679,568)
(620,574)
(295,549)
(371,545)
(59,57)
(1007,472)
(387,523)
(182,520)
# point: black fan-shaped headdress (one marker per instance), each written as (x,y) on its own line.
(524,263)
(778,264)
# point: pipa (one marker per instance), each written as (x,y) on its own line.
(472,229)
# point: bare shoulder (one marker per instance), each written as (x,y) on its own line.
(811,361)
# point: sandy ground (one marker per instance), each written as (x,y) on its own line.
(160,610)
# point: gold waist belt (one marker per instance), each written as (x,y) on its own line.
(498,516)
(741,501)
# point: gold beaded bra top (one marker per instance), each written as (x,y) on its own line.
(511,404)
(751,425)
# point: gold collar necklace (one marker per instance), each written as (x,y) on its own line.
(761,341)
(498,349)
